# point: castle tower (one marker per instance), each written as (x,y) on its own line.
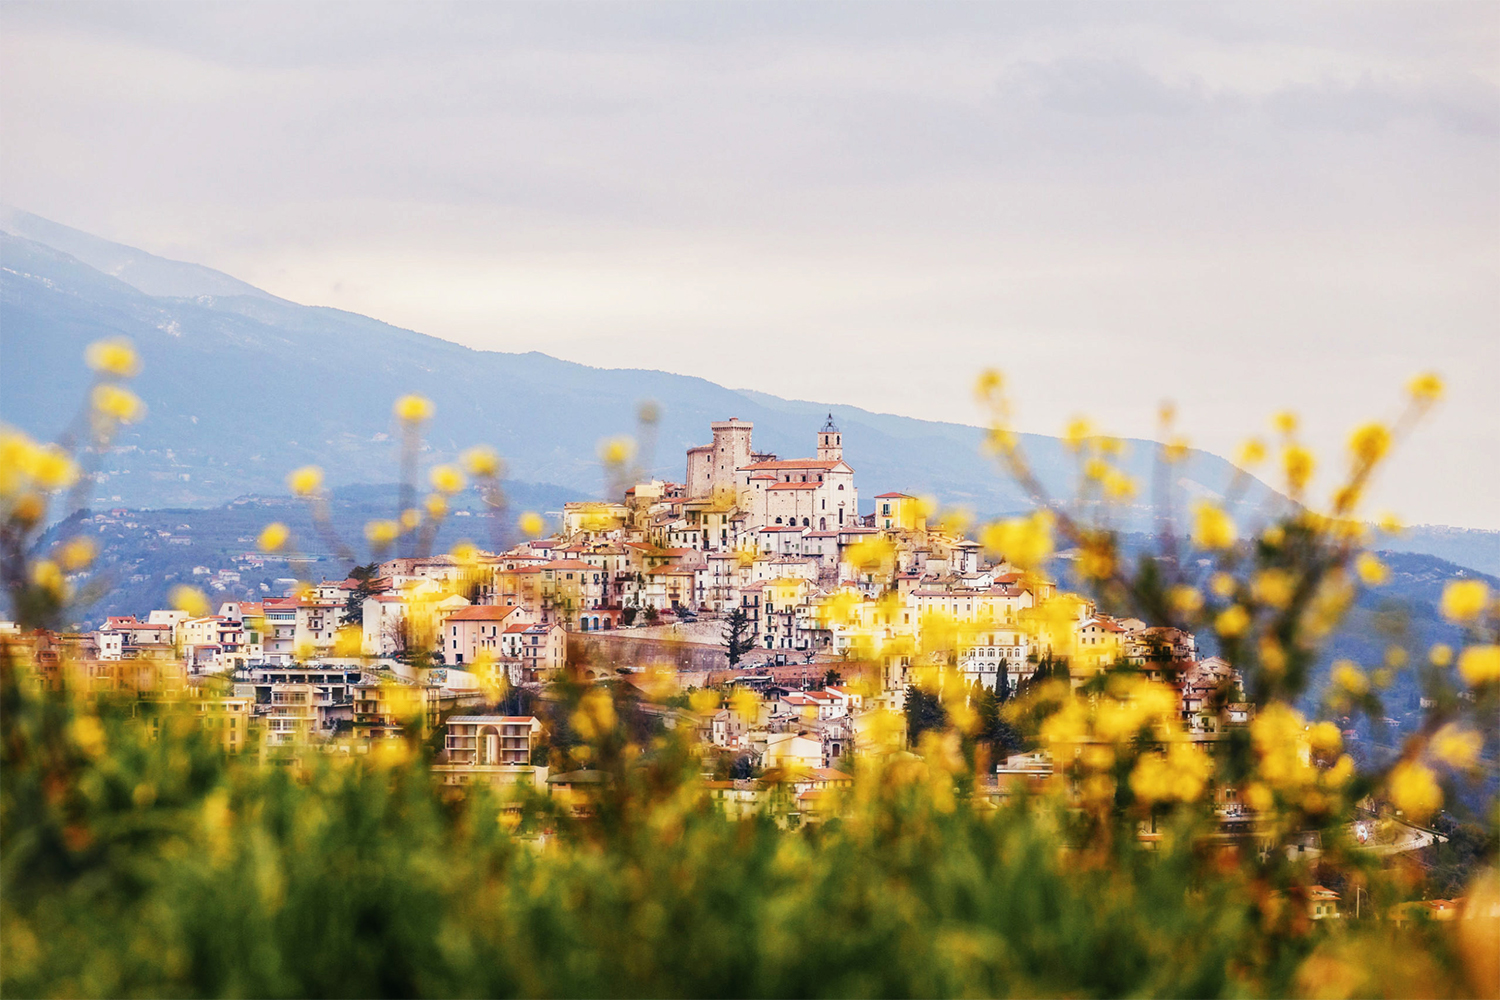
(830,442)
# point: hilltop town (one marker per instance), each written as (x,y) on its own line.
(756,574)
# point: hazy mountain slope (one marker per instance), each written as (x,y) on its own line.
(243,388)
(143,271)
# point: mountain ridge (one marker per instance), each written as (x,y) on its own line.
(244,387)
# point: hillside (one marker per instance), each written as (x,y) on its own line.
(243,386)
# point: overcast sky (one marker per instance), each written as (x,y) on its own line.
(1241,208)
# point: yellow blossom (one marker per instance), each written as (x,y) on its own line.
(1390,524)
(1285,421)
(273,537)
(382,533)
(1232,621)
(1325,737)
(410,519)
(1272,656)
(446,479)
(1222,584)
(1079,430)
(1298,462)
(1024,541)
(413,409)
(1185,600)
(1371,570)
(1212,528)
(1273,587)
(482,462)
(118,404)
(1118,486)
(465,552)
(616,451)
(436,506)
(1457,746)
(1259,797)
(52,469)
(1176,449)
(305,481)
(189,599)
(531,524)
(989,384)
(47,575)
(1349,677)
(113,357)
(1395,657)
(1463,600)
(1479,665)
(1370,443)
(1181,774)
(1273,536)
(1414,790)
(1425,389)
(1095,469)
(1441,654)
(1252,452)
(76,553)
(1339,774)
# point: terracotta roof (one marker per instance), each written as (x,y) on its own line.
(894,496)
(791,463)
(793,486)
(483,613)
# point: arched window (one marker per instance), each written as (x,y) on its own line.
(841,485)
(806,522)
(778,520)
(822,524)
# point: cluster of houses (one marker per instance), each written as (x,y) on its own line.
(774,550)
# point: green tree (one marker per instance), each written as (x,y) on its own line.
(924,710)
(832,678)
(354,605)
(737,641)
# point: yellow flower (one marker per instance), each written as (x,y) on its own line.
(382,533)
(616,451)
(989,383)
(1273,587)
(1176,449)
(1370,443)
(1272,656)
(1232,621)
(1425,389)
(273,537)
(1023,541)
(113,357)
(1118,486)
(1079,430)
(77,553)
(1185,600)
(447,479)
(1325,737)
(1252,452)
(1212,528)
(413,409)
(1349,677)
(1274,536)
(189,599)
(1095,469)
(1479,665)
(119,404)
(305,481)
(410,519)
(465,552)
(1441,654)
(1285,421)
(1390,524)
(531,524)
(1456,746)
(47,575)
(1463,600)
(52,469)
(1298,462)
(1222,584)
(1414,790)
(437,507)
(482,462)
(1371,570)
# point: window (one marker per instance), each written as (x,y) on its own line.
(841,485)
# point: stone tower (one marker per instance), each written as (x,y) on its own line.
(830,442)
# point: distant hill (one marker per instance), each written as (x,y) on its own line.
(243,387)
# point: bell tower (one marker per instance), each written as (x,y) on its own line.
(830,442)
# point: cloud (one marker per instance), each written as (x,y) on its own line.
(855,203)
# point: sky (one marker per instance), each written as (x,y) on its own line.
(1239,208)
